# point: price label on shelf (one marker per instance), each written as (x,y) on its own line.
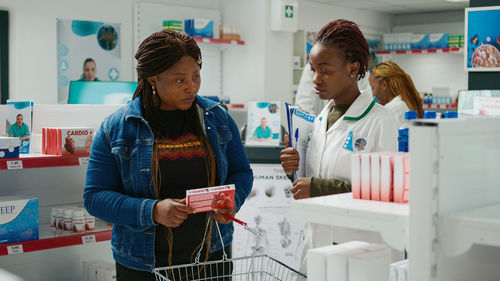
(15,249)
(83,161)
(14,165)
(88,239)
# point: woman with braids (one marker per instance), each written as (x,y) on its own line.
(394,88)
(148,153)
(351,122)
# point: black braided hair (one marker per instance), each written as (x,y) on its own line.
(346,36)
(157,53)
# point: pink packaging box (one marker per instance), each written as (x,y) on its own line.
(356,176)
(365,176)
(209,198)
(401,177)
(375,176)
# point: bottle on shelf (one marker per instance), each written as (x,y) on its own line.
(89,221)
(78,221)
(68,219)
(430,114)
(403,131)
(53,217)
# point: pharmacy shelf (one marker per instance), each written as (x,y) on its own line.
(466,228)
(425,51)
(28,161)
(439,106)
(389,219)
(50,238)
(218,41)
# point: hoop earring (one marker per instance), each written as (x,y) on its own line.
(154,91)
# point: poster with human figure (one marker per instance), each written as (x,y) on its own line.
(86,51)
(263,124)
(18,123)
(266,210)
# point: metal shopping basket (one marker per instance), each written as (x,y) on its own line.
(251,268)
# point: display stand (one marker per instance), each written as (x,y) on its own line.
(454,208)
(55,181)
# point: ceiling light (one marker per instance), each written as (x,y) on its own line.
(457,1)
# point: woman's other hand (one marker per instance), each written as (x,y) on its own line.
(301,188)
(289,158)
(219,217)
(171,212)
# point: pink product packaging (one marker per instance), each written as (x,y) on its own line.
(375,176)
(209,198)
(401,177)
(386,178)
(356,176)
(365,176)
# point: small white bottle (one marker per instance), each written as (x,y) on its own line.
(60,218)
(53,217)
(78,221)
(68,219)
(89,221)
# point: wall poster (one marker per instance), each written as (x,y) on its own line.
(86,51)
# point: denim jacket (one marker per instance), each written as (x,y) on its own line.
(118,185)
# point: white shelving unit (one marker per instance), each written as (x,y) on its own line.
(431,68)
(454,199)
(148,18)
(452,223)
(55,181)
(389,219)
(300,38)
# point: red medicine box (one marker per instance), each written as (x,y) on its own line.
(209,198)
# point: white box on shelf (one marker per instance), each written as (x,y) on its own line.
(371,264)
(318,258)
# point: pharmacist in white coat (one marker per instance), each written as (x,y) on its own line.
(352,122)
(394,88)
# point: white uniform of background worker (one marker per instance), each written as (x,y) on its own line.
(352,122)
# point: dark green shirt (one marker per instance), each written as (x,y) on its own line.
(320,186)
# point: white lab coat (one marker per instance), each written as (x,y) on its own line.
(398,107)
(308,100)
(329,152)
(329,156)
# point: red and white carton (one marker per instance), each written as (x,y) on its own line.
(74,141)
(207,199)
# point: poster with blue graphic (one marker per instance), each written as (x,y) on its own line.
(263,123)
(482,38)
(86,51)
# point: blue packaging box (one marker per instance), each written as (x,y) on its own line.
(419,41)
(438,40)
(9,147)
(18,219)
(199,27)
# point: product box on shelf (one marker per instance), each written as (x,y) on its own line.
(67,141)
(438,40)
(419,41)
(18,219)
(199,27)
(18,122)
(209,198)
(173,25)
(9,147)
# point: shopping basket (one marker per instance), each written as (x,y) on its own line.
(251,268)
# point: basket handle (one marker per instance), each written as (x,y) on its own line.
(224,255)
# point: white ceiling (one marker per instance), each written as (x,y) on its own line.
(399,6)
